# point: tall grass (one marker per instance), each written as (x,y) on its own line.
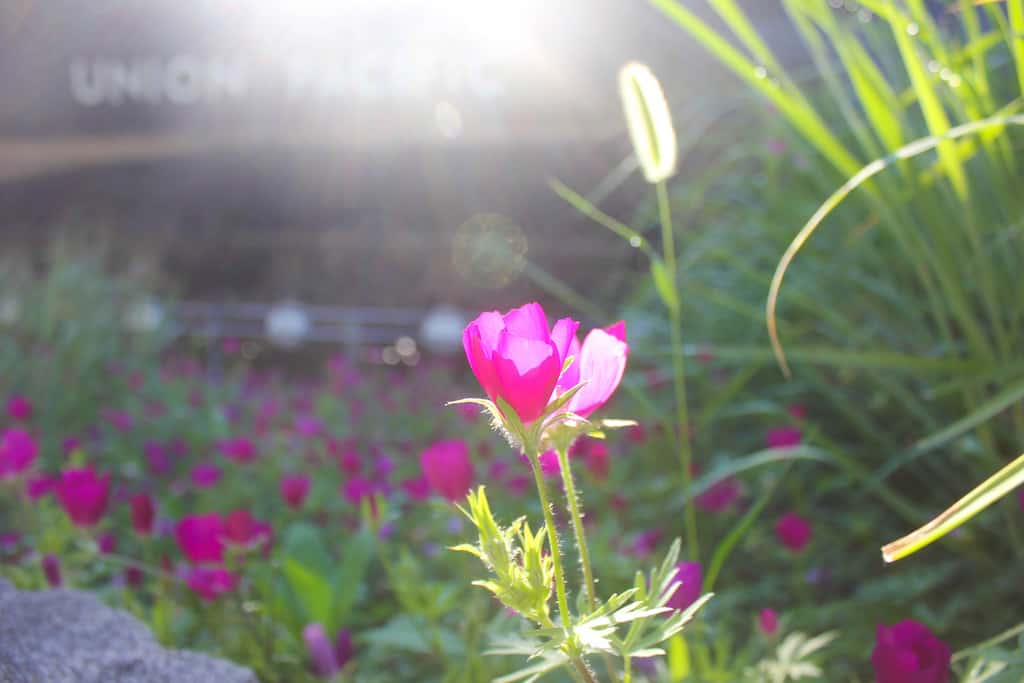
(901,310)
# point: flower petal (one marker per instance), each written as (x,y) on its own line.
(602,363)
(527,371)
(528,321)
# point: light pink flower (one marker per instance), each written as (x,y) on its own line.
(600,362)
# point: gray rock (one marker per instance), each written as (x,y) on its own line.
(64,636)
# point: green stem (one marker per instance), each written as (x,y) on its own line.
(577,527)
(556,554)
(581,539)
(678,371)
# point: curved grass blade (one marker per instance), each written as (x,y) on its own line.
(908,151)
(988,492)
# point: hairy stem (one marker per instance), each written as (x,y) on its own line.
(556,553)
(577,526)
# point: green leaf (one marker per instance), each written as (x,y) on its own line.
(678,658)
(988,492)
(663,282)
(312,591)
(350,576)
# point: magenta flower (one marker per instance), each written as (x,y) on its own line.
(107,543)
(19,408)
(690,575)
(325,657)
(793,531)
(243,530)
(596,457)
(448,468)
(417,488)
(549,464)
(210,582)
(70,445)
(121,421)
(294,490)
(357,488)
(516,357)
(784,437)
(83,495)
(908,652)
(239,449)
(201,538)
(18,450)
(51,570)
(719,497)
(600,362)
(205,476)
(39,486)
(156,456)
(768,621)
(143,513)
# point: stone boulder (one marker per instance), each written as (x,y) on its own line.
(66,636)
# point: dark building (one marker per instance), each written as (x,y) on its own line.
(385,152)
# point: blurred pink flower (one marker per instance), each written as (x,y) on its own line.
(120,420)
(784,437)
(243,530)
(720,496)
(143,513)
(596,456)
(793,531)
(768,621)
(322,656)
(690,575)
(39,486)
(70,445)
(294,489)
(308,426)
(51,570)
(357,488)
(205,475)
(448,468)
(518,485)
(83,495)
(549,464)
(210,582)
(908,652)
(239,449)
(107,543)
(644,543)
(19,408)
(417,488)
(468,411)
(18,450)
(636,434)
(156,456)
(201,538)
